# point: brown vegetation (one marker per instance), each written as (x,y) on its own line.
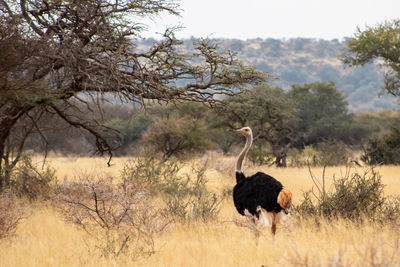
(122,224)
(122,219)
(12,211)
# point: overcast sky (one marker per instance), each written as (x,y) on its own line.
(247,19)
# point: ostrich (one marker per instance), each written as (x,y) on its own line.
(260,196)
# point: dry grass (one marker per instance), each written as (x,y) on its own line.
(44,239)
(71,167)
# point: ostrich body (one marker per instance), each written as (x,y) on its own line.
(259,197)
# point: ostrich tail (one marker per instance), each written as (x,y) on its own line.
(285,199)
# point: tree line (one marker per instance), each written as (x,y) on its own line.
(285,122)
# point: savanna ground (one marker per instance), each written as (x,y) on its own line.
(45,239)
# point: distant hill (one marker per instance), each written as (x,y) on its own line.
(303,60)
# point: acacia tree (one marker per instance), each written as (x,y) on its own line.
(268,111)
(175,137)
(380,42)
(58,54)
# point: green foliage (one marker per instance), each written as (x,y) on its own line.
(259,106)
(223,137)
(186,109)
(268,111)
(379,42)
(180,129)
(177,137)
(185,196)
(322,113)
(385,150)
(354,196)
(260,154)
(375,124)
(130,130)
(298,157)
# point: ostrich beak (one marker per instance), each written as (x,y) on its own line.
(240,131)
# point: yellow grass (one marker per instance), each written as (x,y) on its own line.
(44,239)
(71,167)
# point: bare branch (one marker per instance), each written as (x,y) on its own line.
(101,143)
(315,180)
(28,18)
(7,7)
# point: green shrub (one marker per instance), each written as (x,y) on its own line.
(385,150)
(177,137)
(259,154)
(130,131)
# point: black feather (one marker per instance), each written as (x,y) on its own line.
(240,177)
(257,190)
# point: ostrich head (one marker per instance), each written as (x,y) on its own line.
(246,131)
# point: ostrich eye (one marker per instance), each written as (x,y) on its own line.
(246,130)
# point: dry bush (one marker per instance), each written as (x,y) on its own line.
(122,219)
(190,200)
(355,196)
(185,196)
(150,173)
(217,161)
(11,213)
(27,180)
(375,250)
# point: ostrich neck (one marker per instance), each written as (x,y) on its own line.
(249,141)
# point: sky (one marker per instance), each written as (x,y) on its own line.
(281,19)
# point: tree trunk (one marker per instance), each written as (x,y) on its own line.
(280,153)
(280,161)
(8,118)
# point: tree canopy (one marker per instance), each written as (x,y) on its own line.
(268,111)
(381,43)
(65,58)
(322,113)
